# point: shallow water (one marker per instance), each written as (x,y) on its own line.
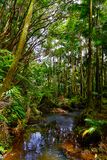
(42,140)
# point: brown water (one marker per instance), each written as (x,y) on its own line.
(42,140)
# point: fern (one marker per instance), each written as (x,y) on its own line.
(89,131)
(5,51)
(6,59)
(95,125)
(3,118)
(16,110)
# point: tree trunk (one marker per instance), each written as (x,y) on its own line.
(101,79)
(89,76)
(81,71)
(98,71)
(97,87)
(11,73)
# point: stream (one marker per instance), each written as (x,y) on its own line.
(42,140)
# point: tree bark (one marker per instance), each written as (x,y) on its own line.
(19,52)
(81,70)
(89,76)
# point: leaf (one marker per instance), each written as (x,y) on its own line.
(95,123)
(5,51)
(3,118)
(84,133)
(98,42)
(90,131)
(2,150)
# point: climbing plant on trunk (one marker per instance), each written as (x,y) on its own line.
(19,52)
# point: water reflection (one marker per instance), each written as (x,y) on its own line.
(44,145)
(33,147)
(65,122)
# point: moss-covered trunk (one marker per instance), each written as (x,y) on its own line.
(19,52)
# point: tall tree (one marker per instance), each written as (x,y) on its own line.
(89,76)
(9,77)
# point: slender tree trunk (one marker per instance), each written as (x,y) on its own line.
(66,82)
(105,76)
(98,71)
(97,80)
(59,76)
(10,75)
(89,77)
(74,77)
(101,79)
(81,71)
(97,77)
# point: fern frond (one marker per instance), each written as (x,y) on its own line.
(89,131)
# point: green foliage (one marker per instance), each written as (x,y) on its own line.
(89,131)
(75,100)
(95,125)
(15,93)
(5,146)
(2,149)
(3,118)
(64,27)
(2,1)
(44,2)
(6,59)
(16,110)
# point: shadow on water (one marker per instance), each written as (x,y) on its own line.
(42,141)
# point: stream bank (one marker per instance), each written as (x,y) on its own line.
(52,137)
(44,139)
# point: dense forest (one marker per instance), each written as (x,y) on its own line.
(53,59)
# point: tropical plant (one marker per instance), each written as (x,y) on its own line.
(95,125)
